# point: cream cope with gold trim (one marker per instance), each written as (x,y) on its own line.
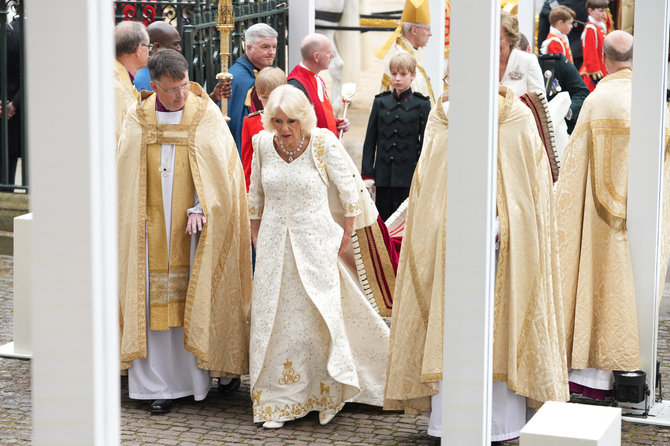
(529,345)
(415,11)
(596,269)
(216,306)
(126,94)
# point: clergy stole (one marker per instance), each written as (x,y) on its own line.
(168,263)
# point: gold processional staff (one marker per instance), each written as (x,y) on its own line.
(224,23)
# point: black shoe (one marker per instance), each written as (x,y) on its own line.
(232,386)
(160,406)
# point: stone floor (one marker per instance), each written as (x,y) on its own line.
(227,419)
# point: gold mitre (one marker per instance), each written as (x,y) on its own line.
(415,11)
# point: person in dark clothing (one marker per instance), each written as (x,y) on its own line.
(394,136)
(564,77)
(13,106)
(575,36)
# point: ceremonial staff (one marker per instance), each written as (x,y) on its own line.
(224,23)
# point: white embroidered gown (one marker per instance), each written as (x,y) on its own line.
(315,340)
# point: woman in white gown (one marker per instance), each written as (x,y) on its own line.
(315,340)
(519,70)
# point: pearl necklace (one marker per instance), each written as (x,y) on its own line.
(290,154)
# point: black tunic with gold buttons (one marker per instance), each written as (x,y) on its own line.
(394,137)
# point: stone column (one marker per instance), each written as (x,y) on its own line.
(647,140)
(71,121)
(471,182)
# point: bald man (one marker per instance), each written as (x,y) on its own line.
(316,56)
(595,267)
(132,52)
(161,35)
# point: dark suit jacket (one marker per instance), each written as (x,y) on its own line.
(394,137)
(569,80)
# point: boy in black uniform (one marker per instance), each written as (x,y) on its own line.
(394,136)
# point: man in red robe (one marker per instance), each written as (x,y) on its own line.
(316,56)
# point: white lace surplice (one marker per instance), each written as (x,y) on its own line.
(306,354)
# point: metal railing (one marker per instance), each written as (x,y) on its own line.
(12,96)
(195,21)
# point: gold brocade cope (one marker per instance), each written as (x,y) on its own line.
(216,307)
(529,343)
(168,266)
(596,268)
(415,346)
(609,153)
(125,92)
(528,328)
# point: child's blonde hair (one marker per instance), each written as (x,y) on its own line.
(268,79)
(403,62)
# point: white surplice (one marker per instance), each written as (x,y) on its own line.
(316,342)
(168,371)
(508,410)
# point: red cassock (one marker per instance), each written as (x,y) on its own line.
(252,124)
(558,45)
(593,69)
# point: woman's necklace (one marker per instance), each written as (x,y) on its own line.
(290,154)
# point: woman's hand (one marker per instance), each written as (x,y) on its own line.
(346,237)
(346,240)
(254,226)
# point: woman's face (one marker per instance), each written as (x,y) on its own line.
(288,129)
(504,47)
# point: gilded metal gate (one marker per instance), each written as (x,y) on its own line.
(196,22)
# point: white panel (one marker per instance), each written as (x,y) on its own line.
(471,182)
(300,23)
(22,307)
(71,120)
(433,53)
(645,165)
(526,13)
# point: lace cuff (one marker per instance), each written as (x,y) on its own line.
(197,209)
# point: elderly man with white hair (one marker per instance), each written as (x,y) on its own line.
(132,52)
(410,36)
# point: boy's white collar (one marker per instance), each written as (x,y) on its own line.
(557,32)
(598,22)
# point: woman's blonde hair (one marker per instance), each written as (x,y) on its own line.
(268,79)
(403,62)
(294,104)
(509,25)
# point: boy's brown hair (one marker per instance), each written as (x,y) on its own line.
(268,79)
(595,4)
(561,13)
(403,62)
